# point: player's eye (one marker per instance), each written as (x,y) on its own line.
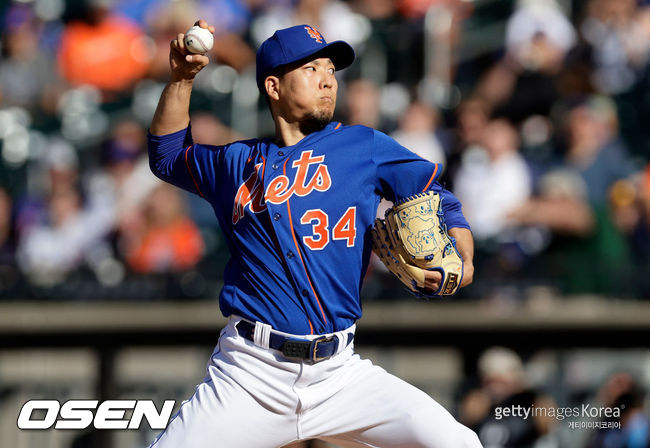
(330,71)
(311,67)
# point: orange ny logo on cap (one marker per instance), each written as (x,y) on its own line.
(314,34)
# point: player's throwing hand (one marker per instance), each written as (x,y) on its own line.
(185,65)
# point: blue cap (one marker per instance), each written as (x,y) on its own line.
(297,43)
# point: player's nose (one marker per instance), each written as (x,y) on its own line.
(327,80)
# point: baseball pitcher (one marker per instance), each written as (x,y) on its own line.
(298,215)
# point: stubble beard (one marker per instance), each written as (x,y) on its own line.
(315,121)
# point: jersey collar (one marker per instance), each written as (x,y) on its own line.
(330,127)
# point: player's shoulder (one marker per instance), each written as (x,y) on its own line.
(236,145)
(366,140)
(245,147)
(355,128)
(240,150)
(251,143)
(357,133)
(367,132)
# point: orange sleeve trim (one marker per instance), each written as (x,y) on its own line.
(295,242)
(433,176)
(187,164)
(337,126)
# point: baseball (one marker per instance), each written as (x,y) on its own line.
(198,40)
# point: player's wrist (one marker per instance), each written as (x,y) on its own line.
(181,80)
(468,274)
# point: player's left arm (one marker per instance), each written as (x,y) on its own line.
(402,173)
(465,247)
(458,228)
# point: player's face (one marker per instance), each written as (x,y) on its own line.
(308,92)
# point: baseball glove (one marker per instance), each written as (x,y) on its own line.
(413,237)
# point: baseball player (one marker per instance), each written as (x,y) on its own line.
(296,211)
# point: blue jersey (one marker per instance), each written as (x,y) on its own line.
(297,218)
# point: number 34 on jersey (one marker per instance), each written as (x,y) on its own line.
(344,229)
(251,195)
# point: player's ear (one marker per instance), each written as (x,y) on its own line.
(272,86)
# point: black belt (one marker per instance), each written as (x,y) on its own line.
(316,349)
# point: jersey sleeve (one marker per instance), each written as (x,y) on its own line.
(402,173)
(176,159)
(452,209)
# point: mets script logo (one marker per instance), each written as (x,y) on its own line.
(314,34)
(251,193)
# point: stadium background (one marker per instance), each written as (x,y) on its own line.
(109,279)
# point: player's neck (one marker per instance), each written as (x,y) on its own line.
(287,134)
(291,133)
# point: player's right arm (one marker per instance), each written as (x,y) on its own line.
(172,113)
(173,157)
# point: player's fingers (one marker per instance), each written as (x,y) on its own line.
(180,42)
(197,59)
(177,46)
(432,280)
(203,24)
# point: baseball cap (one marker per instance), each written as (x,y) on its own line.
(296,43)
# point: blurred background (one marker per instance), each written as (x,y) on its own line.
(109,279)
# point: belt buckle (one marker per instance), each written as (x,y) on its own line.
(315,348)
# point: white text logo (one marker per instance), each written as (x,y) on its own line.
(80,414)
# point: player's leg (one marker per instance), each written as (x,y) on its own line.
(224,416)
(236,406)
(378,409)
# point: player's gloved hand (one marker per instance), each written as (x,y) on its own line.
(414,245)
(422,282)
(185,65)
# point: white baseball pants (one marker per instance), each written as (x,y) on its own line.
(254,397)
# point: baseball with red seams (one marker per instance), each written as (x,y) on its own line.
(198,40)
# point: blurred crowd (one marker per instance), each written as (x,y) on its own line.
(535,107)
(508,407)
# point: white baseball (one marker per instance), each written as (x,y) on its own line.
(198,40)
